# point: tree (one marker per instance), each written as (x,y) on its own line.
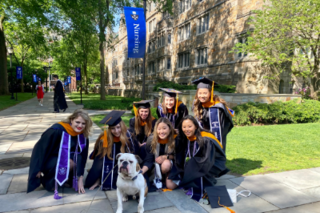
(287,32)
(18,12)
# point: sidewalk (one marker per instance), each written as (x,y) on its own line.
(22,125)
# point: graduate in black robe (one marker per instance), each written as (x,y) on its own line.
(46,152)
(172,108)
(199,158)
(116,139)
(142,124)
(160,149)
(211,111)
(59,99)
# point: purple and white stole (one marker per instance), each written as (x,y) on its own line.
(63,164)
(172,118)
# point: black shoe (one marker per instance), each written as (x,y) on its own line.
(64,110)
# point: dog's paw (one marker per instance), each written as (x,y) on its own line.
(125,199)
(119,211)
(140,209)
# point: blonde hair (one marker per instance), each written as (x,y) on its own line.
(171,140)
(198,110)
(83,114)
(164,108)
(147,127)
(102,151)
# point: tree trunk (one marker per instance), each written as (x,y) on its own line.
(102,80)
(4,89)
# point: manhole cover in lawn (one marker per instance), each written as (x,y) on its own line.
(14,163)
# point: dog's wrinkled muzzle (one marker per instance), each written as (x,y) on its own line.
(124,167)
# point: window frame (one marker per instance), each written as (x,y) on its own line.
(203,24)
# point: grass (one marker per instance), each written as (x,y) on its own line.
(92,101)
(97,118)
(265,149)
(6,102)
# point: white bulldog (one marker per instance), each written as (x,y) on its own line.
(130,180)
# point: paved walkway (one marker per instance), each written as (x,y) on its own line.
(22,125)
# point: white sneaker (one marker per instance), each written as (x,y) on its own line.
(41,105)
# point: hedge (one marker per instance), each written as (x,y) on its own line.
(308,111)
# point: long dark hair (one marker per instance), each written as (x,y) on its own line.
(197,133)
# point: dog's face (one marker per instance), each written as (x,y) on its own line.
(128,164)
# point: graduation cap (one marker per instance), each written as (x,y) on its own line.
(144,104)
(219,197)
(112,119)
(204,82)
(172,93)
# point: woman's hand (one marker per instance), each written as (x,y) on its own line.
(160,159)
(80,185)
(142,144)
(38,175)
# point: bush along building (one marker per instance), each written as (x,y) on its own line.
(195,41)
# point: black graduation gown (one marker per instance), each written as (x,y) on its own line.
(141,137)
(226,123)
(44,158)
(96,169)
(59,96)
(208,162)
(182,111)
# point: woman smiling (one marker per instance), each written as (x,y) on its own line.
(200,158)
(60,156)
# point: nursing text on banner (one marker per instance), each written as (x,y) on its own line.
(136,31)
(78,74)
(19,72)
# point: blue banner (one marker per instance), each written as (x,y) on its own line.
(136,31)
(34,77)
(69,79)
(39,79)
(78,74)
(19,72)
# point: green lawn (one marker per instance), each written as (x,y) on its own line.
(6,102)
(264,149)
(92,101)
(97,118)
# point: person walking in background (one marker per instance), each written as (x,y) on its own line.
(59,100)
(40,93)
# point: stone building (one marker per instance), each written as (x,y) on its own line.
(195,41)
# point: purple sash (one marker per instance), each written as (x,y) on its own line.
(63,163)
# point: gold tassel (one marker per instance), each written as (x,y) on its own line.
(230,210)
(177,102)
(135,110)
(212,90)
(105,139)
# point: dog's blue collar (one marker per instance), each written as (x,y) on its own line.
(135,177)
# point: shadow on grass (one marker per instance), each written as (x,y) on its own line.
(242,166)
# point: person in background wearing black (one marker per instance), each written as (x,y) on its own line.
(59,100)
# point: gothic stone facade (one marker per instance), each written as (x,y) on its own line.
(195,41)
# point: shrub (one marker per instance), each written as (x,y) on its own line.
(277,113)
(169,84)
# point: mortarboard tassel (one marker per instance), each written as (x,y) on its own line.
(212,90)
(105,139)
(177,102)
(230,210)
(135,110)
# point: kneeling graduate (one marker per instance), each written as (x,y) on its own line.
(60,156)
(114,140)
(200,158)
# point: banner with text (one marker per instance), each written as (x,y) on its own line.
(78,74)
(136,31)
(34,77)
(19,72)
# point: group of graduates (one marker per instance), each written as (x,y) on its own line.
(176,150)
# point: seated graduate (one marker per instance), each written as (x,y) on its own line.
(142,124)
(211,111)
(160,151)
(114,140)
(60,156)
(199,158)
(172,108)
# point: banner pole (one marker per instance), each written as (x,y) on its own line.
(144,61)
